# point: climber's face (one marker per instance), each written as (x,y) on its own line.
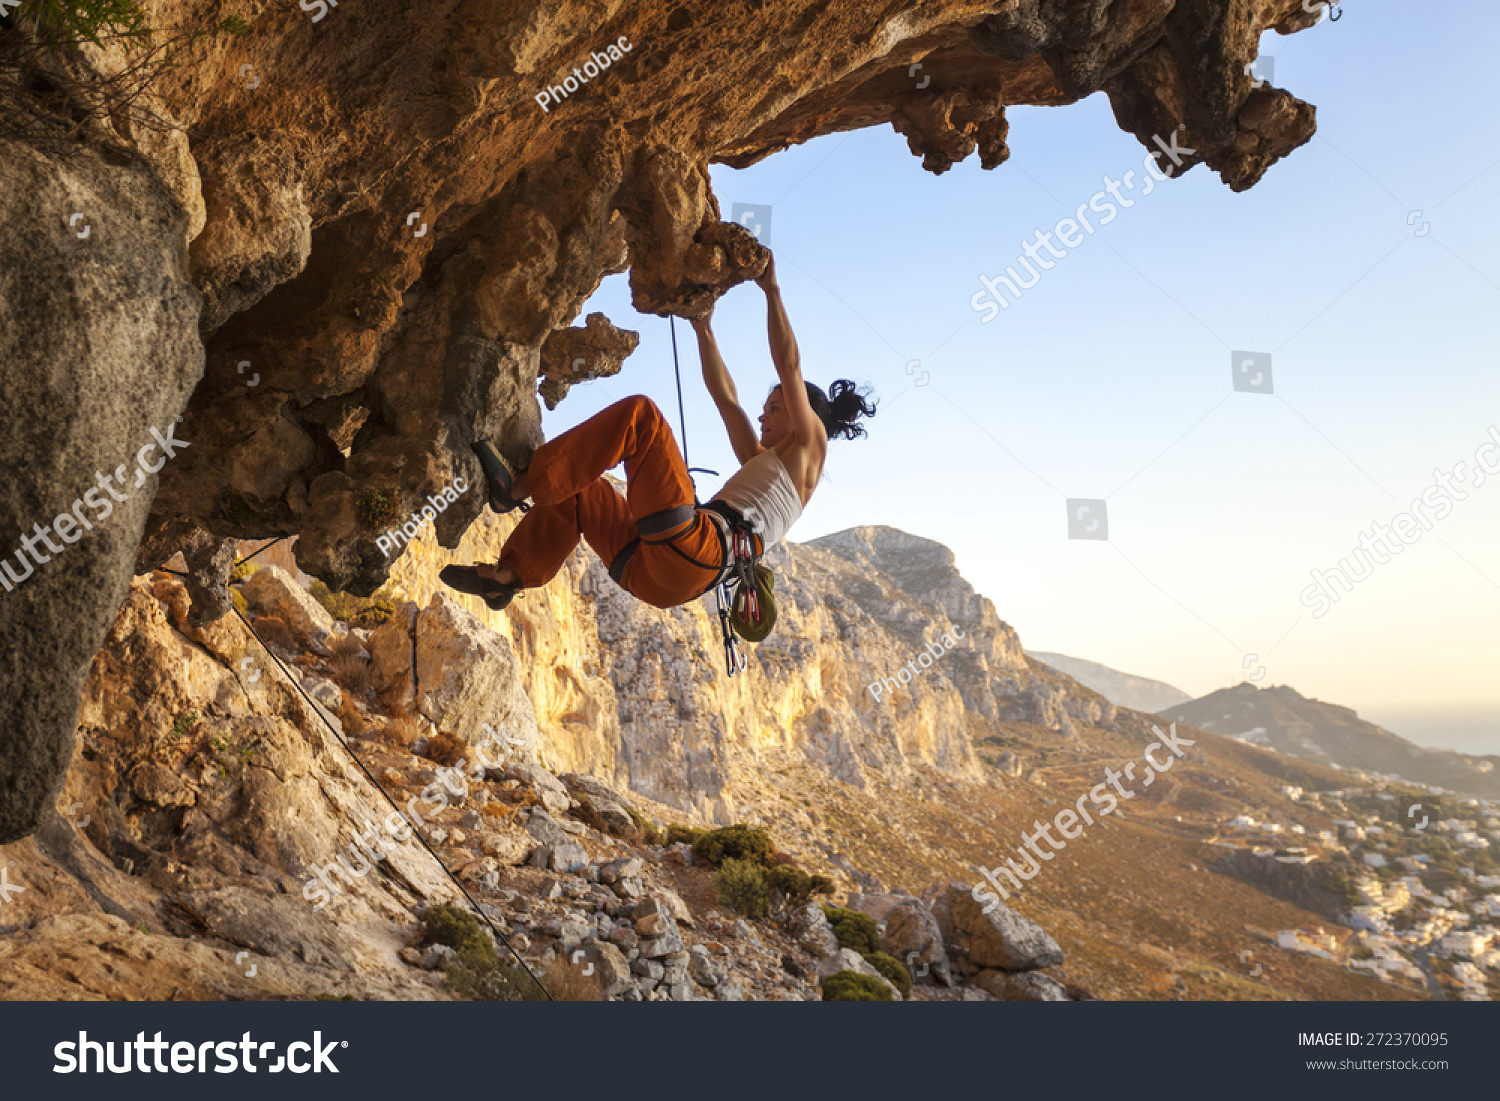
(775,421)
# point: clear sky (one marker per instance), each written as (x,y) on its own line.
(1111,378)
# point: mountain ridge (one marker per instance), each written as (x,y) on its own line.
(1281,718)
(1121,689)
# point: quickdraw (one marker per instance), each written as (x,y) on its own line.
(744,570)
(734,653)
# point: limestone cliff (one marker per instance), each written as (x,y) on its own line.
(339,247)
(638,695)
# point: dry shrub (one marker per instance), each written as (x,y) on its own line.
(352,721)
(400,732)
(274,632)
(350,664)
(445,749)
(567,982)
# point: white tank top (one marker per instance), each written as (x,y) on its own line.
(763,493)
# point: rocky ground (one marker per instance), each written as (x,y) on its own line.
(212,799)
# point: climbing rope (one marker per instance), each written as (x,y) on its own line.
(682,411)
(295,683)
(734,656)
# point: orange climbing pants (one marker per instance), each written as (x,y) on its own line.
(570,498)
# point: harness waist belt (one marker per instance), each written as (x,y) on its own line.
(668,519)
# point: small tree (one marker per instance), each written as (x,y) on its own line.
(743,888)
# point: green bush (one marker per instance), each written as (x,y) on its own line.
(851,986)
(738,842)
(241,572)
(893,969)
(791,883)
(459,930)
(792,887)
(854,929)
(476,971)
(743,888)
(60,21)
(353,610)
(377,509)
(683,834)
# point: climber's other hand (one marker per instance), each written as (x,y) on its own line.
(766,280)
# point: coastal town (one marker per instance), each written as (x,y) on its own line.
(1415,867)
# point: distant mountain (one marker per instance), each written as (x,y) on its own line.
(1282,719)
(1120,689)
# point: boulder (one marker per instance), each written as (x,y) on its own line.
(582,786)
(506,849)
(271,591)
(655,925)
(657,947)
(650,969)
(624,938)
(567,857)
(605,965)
(705,970)
(616,870)
(436,956)
(467,677)
(549,789)
(324,692)
(546,829)
(999,938)
(615,817)
(809,927)
(672,902)
(912,936)
(569,934)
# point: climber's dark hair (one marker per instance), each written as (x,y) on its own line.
(840,408)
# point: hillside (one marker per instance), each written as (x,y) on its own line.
(892,798)
(1120,689)
(1282,719)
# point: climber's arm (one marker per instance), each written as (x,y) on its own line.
(788,360)
(742,435)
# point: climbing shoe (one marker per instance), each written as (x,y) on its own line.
(498,478)
(468,580)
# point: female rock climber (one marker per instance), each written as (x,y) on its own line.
(659,545)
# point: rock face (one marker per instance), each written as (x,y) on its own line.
(99,345)
(847,682)
(375,297)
